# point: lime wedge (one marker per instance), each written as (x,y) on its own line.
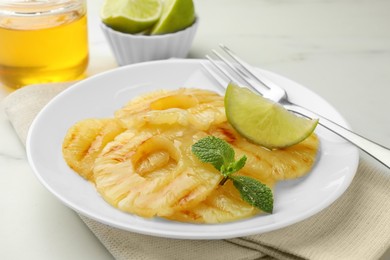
(263,121)
(176,15)
(131,16)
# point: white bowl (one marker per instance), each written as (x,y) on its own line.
(134,48)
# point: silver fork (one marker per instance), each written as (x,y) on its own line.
(230,64)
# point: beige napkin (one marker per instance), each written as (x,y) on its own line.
(356,226)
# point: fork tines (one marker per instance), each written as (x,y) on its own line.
(229,67)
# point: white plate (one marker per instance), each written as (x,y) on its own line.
(101,95)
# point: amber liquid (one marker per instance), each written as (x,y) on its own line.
(40,55)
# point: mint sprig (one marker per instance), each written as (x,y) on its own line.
(221,155)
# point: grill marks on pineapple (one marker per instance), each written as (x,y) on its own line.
(224,132)
(85,140)
(186,107)
(279,164)
(222,205)
(141,160)
(162,184)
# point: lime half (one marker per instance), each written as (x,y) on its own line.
(131,16)
(263,121)
(176,15)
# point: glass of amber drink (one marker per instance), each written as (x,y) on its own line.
(42,41)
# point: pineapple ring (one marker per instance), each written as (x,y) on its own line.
(183,98)
(224,204)
(85,140)
(151,173)
(187,107)
(279,164)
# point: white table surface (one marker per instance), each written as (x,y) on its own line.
(339,49)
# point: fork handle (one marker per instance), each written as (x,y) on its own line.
(377,151)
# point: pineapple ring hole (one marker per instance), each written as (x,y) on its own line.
(153,154)
(174,101)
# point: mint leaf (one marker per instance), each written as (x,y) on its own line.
(254,192)
(214,150)
(221,155)
(238,165)
(233,167)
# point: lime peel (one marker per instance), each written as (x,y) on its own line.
(263,121)
(131,16)
(176,15)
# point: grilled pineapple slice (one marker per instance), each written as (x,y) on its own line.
(224,204)
(85,140)
(279,164)
(152,172)
(267,166)
(163,99)
(187,107)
